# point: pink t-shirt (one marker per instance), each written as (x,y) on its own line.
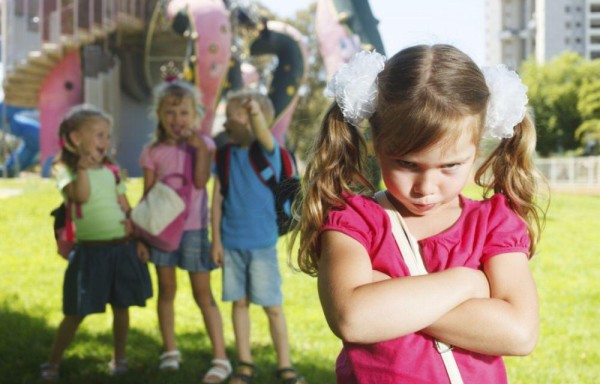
(484,229)
(166,159)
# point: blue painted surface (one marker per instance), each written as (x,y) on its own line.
(24,124)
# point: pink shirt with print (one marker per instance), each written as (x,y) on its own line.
(484,229)
(166,159)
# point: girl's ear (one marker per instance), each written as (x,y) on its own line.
(73,139)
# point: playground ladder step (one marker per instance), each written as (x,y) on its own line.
(21,101)
(39,59)
(32,69)
(53,51)
(22,87)
(127,23)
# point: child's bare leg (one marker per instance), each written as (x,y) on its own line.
(241,328)
(278,329)
(167,286)
(120,332)
(210,312)
(64,335)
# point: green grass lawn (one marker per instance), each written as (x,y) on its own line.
(566,270)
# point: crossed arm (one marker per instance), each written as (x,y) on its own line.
(493,313)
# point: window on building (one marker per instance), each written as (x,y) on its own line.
(578,24)
(594,55)
(595,8)
(567,9)
(595,39)
(568,25)
(577,40)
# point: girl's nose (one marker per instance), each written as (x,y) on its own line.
(424,184)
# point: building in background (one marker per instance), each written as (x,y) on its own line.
(519,29)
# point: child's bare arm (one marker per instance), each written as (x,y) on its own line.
(216,248)
(79,189)
(259,125)
(149,179)
(142,251)
(124,203)
(360,310)
(204,156)
(505,324)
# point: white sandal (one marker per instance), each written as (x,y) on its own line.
(219,368)
(169,361)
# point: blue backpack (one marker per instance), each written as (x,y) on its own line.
(284,191)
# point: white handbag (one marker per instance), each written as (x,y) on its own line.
(160,206)
(412,257)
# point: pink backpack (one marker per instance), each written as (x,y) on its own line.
(170,238)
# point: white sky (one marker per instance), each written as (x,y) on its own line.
(407,22)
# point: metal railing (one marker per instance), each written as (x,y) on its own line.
(28,24)
(571,171)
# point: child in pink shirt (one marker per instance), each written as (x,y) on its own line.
(428,108)
(178,110)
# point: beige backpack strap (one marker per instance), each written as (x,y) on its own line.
(409,247)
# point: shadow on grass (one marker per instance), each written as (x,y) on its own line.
(25,342)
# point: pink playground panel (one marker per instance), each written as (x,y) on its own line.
(210,20)
(61,90)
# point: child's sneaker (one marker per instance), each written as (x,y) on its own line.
(49,372)
(117,367)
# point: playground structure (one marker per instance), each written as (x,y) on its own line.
(109,53)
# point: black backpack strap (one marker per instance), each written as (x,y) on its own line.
(260,164)
(223,158)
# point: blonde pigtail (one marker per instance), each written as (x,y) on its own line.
(510,170)
(335,169)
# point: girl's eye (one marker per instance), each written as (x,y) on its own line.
(405,164)
(451,167)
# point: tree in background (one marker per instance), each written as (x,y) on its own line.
(565,96)
(589,108)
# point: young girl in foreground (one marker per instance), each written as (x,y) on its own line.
(178,109)
(428,107)
(106,266)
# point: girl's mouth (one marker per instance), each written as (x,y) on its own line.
(424,207)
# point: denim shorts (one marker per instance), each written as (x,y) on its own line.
(193,254)
(104,274)
(252,274)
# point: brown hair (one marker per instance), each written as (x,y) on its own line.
(73,121)
(266,106)
(423,92)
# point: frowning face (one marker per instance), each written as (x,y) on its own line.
(429,181)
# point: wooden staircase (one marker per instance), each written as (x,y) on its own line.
(23,83)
